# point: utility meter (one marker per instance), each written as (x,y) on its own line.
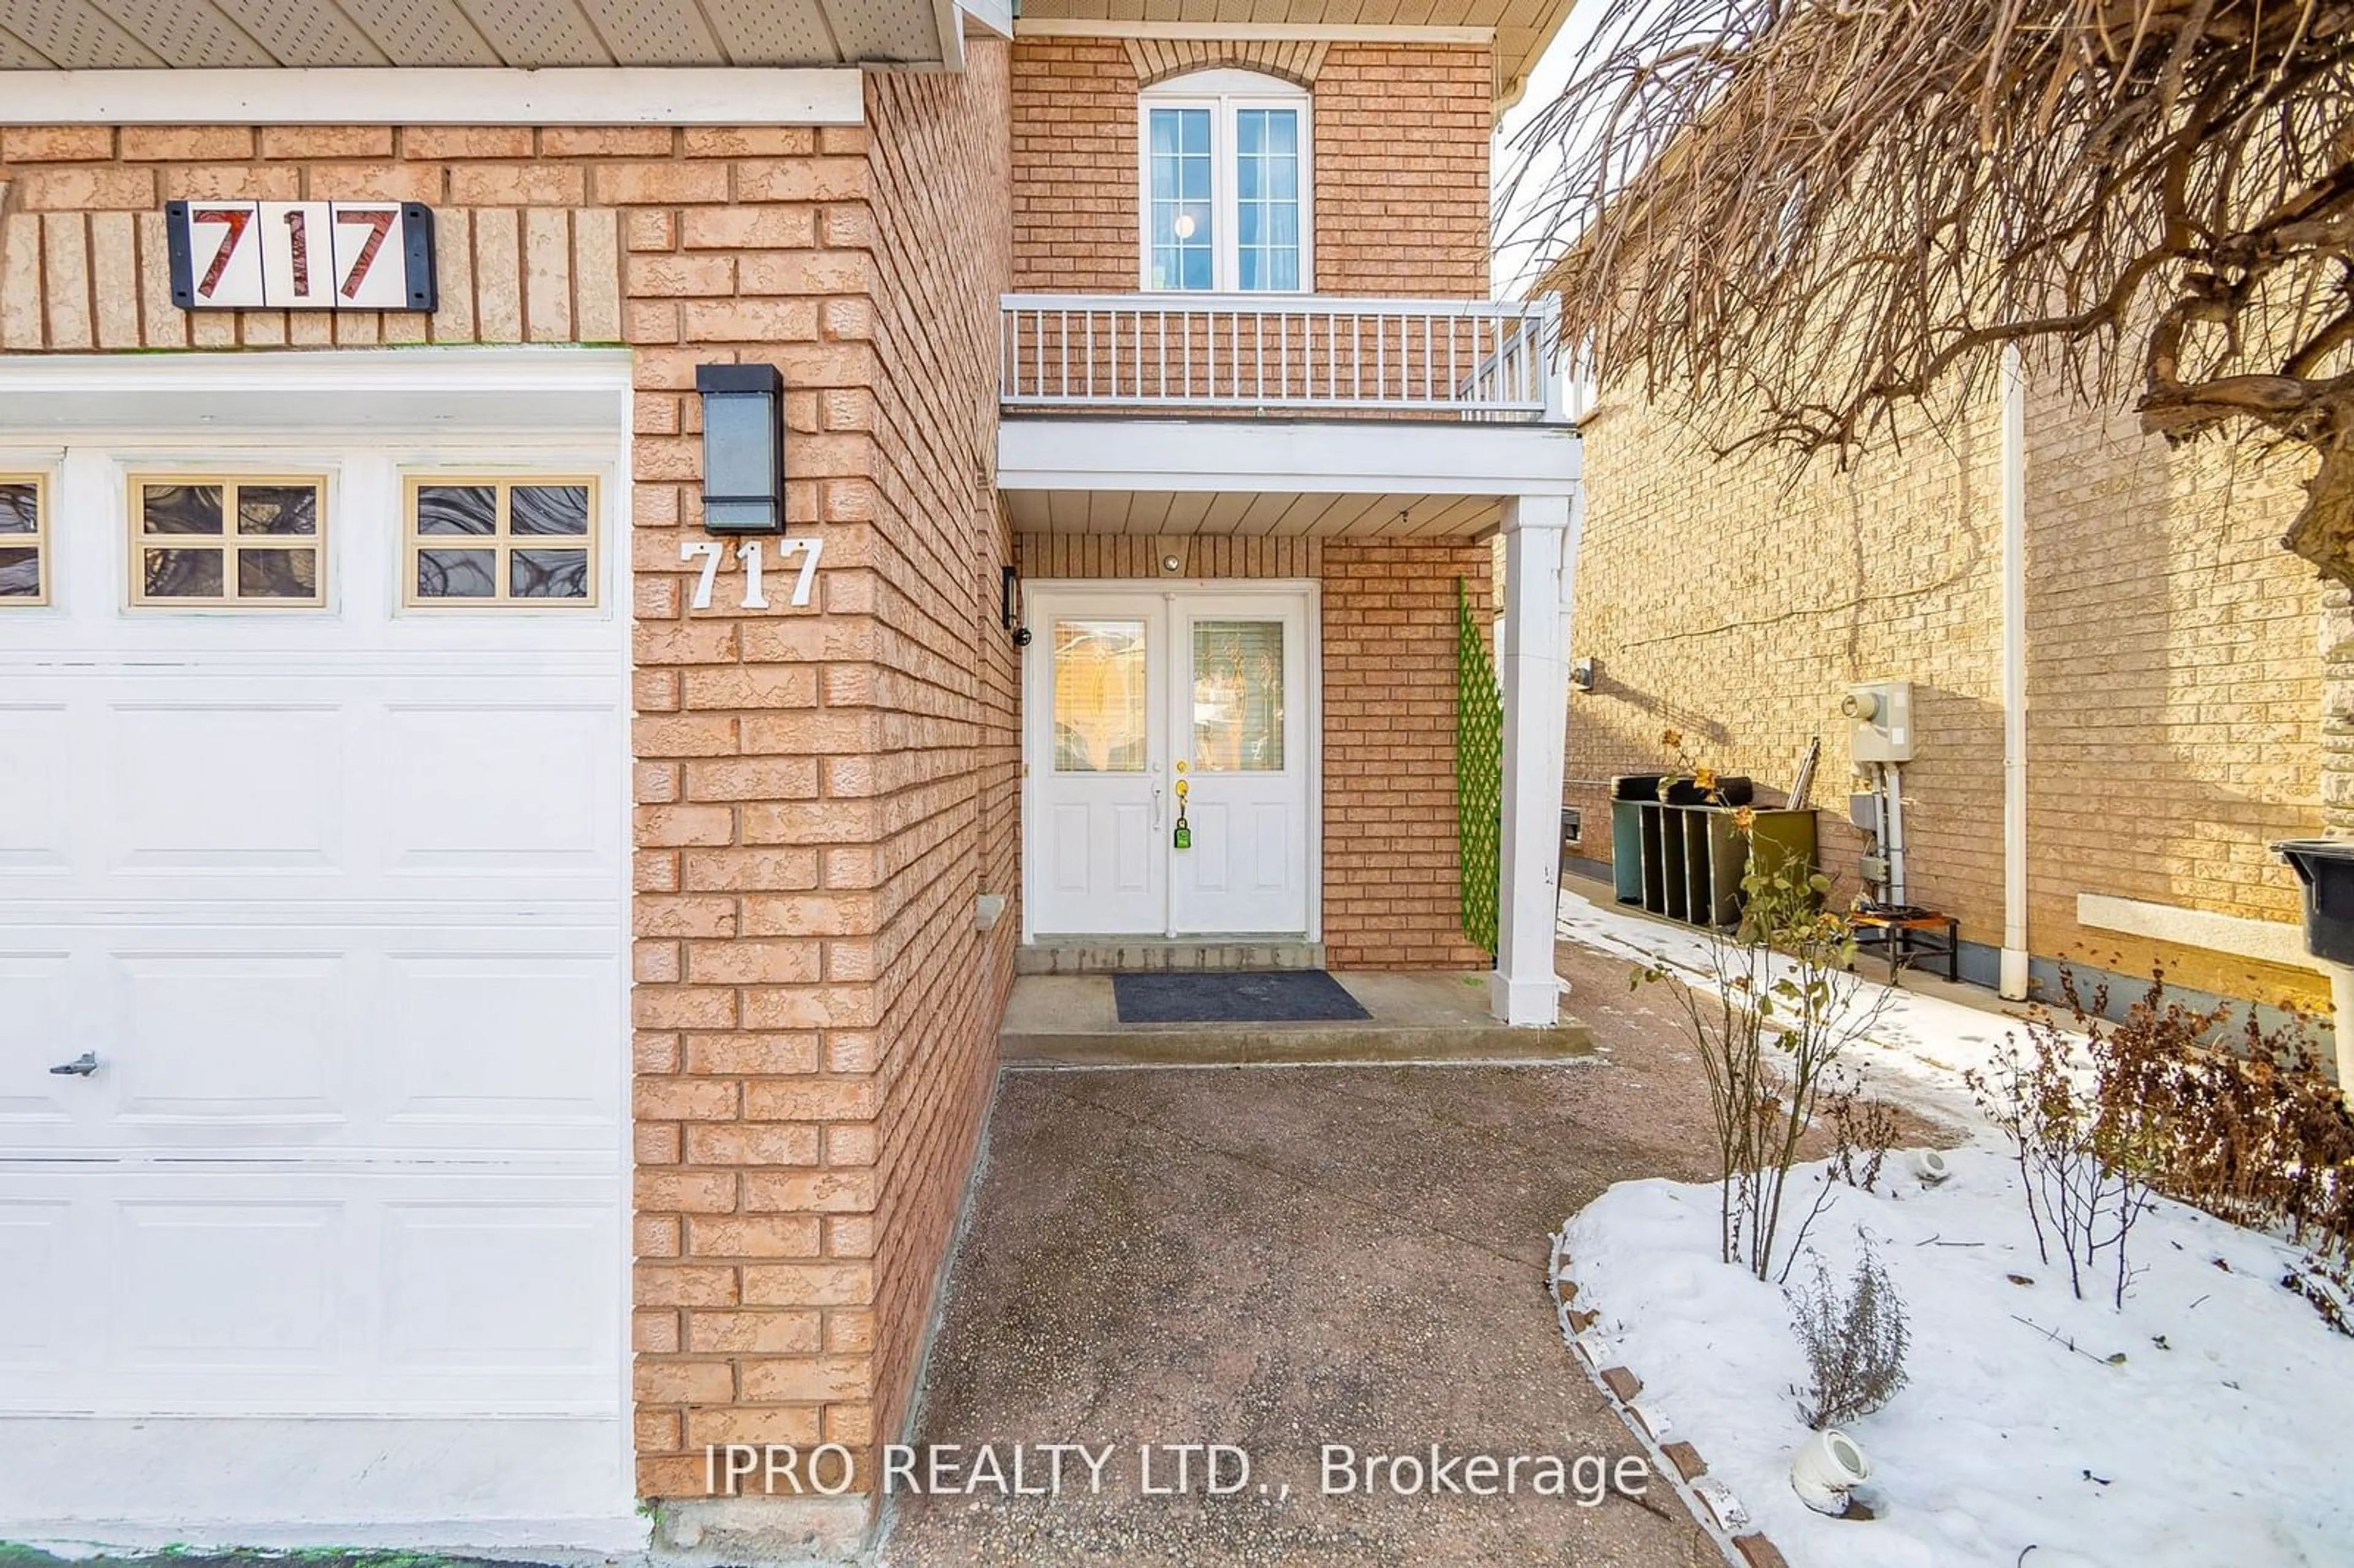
(1880,716)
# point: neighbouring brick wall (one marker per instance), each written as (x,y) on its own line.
(1400,137)
(2338,712)
(2174,681)
(1391,885)
(943,677)
(813,1014)
(2174,687)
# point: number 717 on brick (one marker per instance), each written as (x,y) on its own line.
(301,255)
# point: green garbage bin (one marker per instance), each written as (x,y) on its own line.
(2326,867)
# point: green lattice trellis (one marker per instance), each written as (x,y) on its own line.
(1479,774)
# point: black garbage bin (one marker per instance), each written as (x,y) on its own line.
(2325,866)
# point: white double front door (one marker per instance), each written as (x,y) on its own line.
(1170,752)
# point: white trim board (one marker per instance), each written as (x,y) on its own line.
(1357,457)
(554,389)
(994,17)
(1240,32)
(399,95)
(2266,941)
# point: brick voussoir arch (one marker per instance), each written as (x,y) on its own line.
(1295,60)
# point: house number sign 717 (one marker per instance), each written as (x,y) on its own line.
(756,594)
(301,255)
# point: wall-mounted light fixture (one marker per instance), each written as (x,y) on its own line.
(1584,673)
(743,448)
(1009,579)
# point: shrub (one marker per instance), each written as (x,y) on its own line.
(2239,1120)
(1769,1017)
(1855,1341)
(2083,1189)
(1863,1131)
(2236,1119)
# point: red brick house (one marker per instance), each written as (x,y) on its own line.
(499,982)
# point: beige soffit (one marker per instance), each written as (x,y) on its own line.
(218,34)
(1518,30)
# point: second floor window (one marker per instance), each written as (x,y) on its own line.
(1225,173)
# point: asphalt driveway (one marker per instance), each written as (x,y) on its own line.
(1281,1259)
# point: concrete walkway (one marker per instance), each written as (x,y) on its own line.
(1074,1020)
(1281,1259)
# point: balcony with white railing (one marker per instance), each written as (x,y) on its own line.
(1305,356)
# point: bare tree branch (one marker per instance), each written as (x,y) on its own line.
(1824,210)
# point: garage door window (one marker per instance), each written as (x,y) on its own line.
(248,543)
(501,540)
(23,542)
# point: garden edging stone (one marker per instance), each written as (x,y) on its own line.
(1678,1462)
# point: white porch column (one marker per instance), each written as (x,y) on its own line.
(1537,542)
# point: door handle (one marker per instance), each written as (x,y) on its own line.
(81,1067)
(1156,805)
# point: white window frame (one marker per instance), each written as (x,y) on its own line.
(229,542)
(500,544)
(1223,91)
(41,541)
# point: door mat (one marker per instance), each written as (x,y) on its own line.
(1286,996)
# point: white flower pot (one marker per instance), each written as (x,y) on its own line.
(1827,1467)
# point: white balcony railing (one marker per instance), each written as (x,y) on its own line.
(1473,359)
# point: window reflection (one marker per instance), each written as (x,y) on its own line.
(1238,697)
(1100,696)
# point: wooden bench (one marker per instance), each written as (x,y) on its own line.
(1926,934)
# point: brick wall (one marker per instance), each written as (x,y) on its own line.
(2174,684)
(1400,136)
(2173,676)
(1390,898)
(526,228)
(944,672)
(808,782)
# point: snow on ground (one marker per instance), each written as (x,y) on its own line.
(1917,1049)
(2223,1446)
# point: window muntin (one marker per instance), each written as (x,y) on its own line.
(1225,169)
(24,540)
(243,542)
(507,540)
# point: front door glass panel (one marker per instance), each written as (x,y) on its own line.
(1100,681)
(1238,697)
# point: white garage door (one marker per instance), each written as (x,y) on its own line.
(311,873)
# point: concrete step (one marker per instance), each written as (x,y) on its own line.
(1140,955)
(1072,1021)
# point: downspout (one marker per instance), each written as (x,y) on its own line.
(2013,979)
